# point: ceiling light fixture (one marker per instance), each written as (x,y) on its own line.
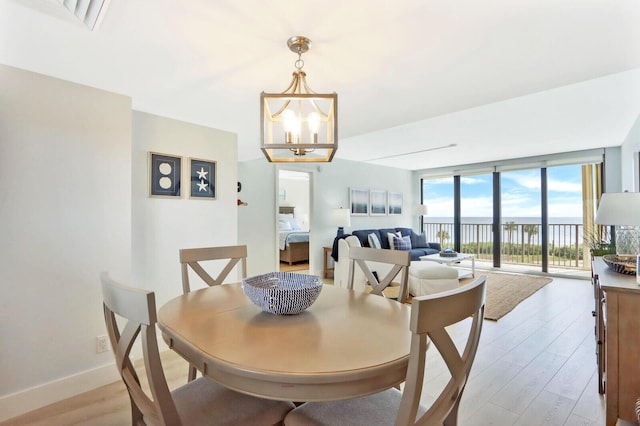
(299,125)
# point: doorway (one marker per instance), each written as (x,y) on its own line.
(294,218)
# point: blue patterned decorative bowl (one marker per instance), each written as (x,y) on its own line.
(282,293)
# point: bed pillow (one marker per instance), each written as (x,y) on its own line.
(391,236)
(402,243)
(295,226)
(285,216)
(374,242)
(284,225)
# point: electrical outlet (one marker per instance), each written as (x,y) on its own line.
(102,344)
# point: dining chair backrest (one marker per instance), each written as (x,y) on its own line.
(191,258)
(430,317)
(138,308)
(434,320)
(399,261)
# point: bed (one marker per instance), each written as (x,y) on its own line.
(294,242)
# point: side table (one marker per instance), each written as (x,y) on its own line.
(326,270)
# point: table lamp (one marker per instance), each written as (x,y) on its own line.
(340,218)
(421,211)
(622,210)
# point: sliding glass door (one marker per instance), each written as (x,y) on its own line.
(566,212)
(438,223)
(476,216)
(521,222)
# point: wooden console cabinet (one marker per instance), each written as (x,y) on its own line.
(617,313)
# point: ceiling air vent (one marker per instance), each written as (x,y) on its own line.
(90,12)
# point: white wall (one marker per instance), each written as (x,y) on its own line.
(257,220)
(612,170)
(161,226)
(74,202)
(629,167)
(65,208)
(330,183)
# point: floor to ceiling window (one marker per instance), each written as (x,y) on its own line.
(521,222)
(476,215)
(438,223)
(565,199)
(541,217)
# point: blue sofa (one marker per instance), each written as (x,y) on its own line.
(419,245)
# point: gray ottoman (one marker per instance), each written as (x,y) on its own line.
(430,277)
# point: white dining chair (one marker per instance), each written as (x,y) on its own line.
(397,264)
(199,402)
(430,317)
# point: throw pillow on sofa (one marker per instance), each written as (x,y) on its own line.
(419,240)
(402,243)
(374,242)
(391,236)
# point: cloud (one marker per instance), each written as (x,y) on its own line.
(441,181)
(564,186)
(529,180)
(472,181)
(520,195)
(477,207)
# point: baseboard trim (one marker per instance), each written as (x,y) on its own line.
(48,393)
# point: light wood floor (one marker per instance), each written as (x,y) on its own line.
(535,366)
(300,267)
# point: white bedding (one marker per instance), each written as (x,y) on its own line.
(287,237)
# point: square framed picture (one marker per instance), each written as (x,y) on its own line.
(164,175)
(395,203)
(378,202)
(359,200)
(202,176)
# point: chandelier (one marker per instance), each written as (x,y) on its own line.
(299,125)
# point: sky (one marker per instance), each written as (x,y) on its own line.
(520,194)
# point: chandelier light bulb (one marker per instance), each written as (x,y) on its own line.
(314,125)
(291,126)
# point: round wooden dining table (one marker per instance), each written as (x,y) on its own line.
(347,344)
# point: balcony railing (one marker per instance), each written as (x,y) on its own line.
(521,242)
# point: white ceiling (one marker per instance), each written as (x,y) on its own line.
(497,79)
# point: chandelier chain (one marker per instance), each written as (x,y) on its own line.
(299,63)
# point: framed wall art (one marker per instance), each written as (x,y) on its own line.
(164,175)
(378,205)
(202,176)
(395,203)
(359,200)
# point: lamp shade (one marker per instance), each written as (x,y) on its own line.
(340,217)
(619,208)
(420,210)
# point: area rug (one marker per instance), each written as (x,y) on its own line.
(506,291)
